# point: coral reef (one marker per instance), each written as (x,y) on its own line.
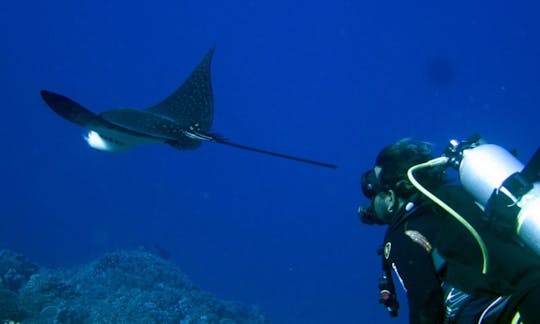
(120,287)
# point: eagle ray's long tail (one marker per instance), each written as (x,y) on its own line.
(281,155)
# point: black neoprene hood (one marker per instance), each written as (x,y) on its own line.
(395,159)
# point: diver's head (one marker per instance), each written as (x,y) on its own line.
(387,185)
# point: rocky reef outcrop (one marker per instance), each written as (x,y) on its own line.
(120,287)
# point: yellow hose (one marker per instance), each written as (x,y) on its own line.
(440,161)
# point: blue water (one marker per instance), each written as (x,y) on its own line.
(328,80)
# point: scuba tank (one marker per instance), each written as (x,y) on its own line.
(508,191)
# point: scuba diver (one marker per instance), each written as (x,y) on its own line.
(466,250)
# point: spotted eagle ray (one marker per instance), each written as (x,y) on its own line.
(183,120)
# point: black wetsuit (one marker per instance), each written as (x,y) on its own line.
(513,269)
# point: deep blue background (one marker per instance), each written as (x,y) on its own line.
(329,80)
